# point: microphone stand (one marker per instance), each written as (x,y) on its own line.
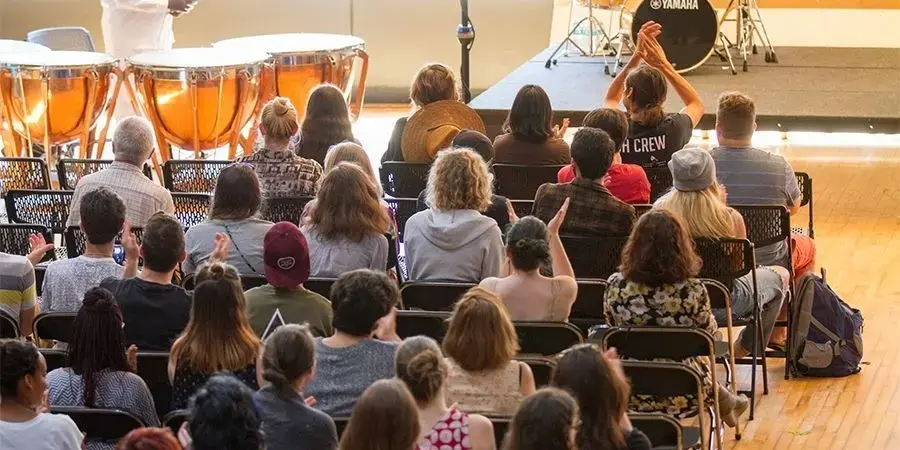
(465,32)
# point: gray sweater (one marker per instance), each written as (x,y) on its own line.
(245,252)
(458,245)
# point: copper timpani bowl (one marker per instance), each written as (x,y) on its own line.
(56,97)
(198,98)
(11,146)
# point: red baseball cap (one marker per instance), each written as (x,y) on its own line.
(286,255)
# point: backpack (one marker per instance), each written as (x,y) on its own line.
(826,337)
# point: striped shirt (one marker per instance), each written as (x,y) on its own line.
(17,288)
(757,177)
(142,196)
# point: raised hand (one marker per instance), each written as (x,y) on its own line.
(559,218)
(129,244)
(560,130)
(386,329)
(39,247)
(131,357)
(511,212)
(220,250)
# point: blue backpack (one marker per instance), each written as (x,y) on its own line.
(826,339)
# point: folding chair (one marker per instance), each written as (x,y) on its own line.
(152,367)
(284,209)
(501,428)
(189,175)
(432,296)
(70,171)
(63,38)
(676,343)
(546,338)
(806,199)
(23,173)
(542,368)
(660,181)
(341,424)
(175,419)
(76,240)
(402,209)
(14,239)
(523,207)
(101,425)
(321,286)
(403,180)
(521,182)
(39,206)
(594,257)
(425,323)
(57,326)
(587,311)
(640,210)
(191,209)
(9,326)
(664,431)
(251,281)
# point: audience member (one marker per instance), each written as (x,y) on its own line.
(66,281)
(284,299)
(99,372)
(594,210)
(133,144)
(597,381)
(287,363)
(149,439)
(698,201)
(351,152)
(421,366)
(626,182)
(236,202)
(653,135)
(24,418)
(364,342)
(526,293)
(223,417)
(530,137)
(475,141)
(18,291)
(281,173)
(546,420)
(385,418)
(346,229)
(480,345)
(326,123)
(453,241)
(218,338)
(657,285)
(757,177)
(155,311)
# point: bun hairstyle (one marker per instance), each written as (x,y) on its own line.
(527,244)
(279,119)
(288,354)
(420,364)
(17,359)
(98,340)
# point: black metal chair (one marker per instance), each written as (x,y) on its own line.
(521,182)
(806,199)
(14,239)
(402,209)
(594,257)
(426,323)
(152,367)
(23,173)
(191,208)
(39,206)
(9,326)
(75,240)
(175,419)
(189,175)
(103,425)
(57,326)
(664,431)
(542,368)
(587,310)
(546,338)
(321,286)
(640,210)
(340,423)
(55,358)
(403,180)
(251,281)
(523,207)
(286,209)
(432,296)
(70,171)
(660,181)
(501,427)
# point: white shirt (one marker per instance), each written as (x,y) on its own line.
(44,432)
(136,26)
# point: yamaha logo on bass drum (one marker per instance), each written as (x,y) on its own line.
(674,4)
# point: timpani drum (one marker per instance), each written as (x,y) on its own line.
(305,60)
(690,28)
(56,97)
(198,98)
(10,145)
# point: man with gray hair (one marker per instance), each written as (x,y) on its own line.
(133,143)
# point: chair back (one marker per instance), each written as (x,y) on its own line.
(521,182)
(321,286)
(725,259)
(39,206)
(189,175)
(191,209)
(70,171)
(542,368)
(153,369)
(640,210)
(660,181)
(55,358)
(285,209)
(14,239)
(432,296)
(76,240)
(594,257)
(9,326)
(719,295)
(340,423)
(766,224)
(523,207)
(546,338)
(63,38)
(402,179)
(501,427)
(806,199)
(58,326)
(652,342)
(23,173)
(587,310)
(426,323)
(251,281)
(646,379)
(402,209)
(103,425)
(662,430)
(175,419)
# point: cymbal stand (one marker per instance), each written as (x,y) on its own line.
(750,27)
(593,23)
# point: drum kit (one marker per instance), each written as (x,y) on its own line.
(197,99)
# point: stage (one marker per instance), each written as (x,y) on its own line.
(810,89)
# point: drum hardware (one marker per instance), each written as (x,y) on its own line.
(749,27)
(605,41)
(465,33)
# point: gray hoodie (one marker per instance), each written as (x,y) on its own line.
(457,245)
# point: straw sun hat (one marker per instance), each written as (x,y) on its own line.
(433,128)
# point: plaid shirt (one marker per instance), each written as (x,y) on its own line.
(143,197)
(284,174)
(593,211)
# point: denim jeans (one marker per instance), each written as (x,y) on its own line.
(771,296)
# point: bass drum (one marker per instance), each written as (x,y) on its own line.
(690,28)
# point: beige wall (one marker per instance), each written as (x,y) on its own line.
(401,34)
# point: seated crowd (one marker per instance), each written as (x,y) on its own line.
(279,366)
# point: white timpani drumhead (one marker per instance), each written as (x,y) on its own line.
(193,58)
(8,46)
(56,59)
(294,43)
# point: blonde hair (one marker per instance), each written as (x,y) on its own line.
(481,336)
(434,82)
(279,119)
(348,205)
(349,152)
(703,213)
(736,115)
(459,179)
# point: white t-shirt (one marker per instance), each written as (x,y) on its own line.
(44,432)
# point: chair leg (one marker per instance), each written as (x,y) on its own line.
(753,355)
(787,345)
(762,344)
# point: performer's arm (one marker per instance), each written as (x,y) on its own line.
(693,105)
(616,90)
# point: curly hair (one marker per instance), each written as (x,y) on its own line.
(459,179)
(481,336)
(434,82)
(223,417)
(327,122)
(360,298)
(659,251)
(102,215)
(348,205)
(149,439)
(736,116)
